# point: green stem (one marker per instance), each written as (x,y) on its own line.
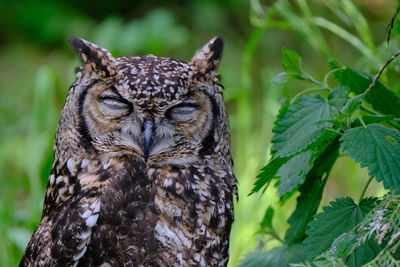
(329,74)
(326,176)
(274,234)
(365,189)
(335,131)
(314,89)
(362,122)
(309,78)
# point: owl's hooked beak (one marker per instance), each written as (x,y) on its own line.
(148,136)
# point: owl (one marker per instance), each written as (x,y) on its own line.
(142,172)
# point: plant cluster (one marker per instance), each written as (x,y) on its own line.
(360,119)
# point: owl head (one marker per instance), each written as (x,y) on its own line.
(154,108)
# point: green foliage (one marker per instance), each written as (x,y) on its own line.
(378,148)
(380,97)
(308,113)
(352,105)
(294,173)
(383,225)
(307,205)
(341,216)
(291,63)
(309,132)
(280,256)
(267,220)
(323,260)
(282,77)
(363,243)
(311,194)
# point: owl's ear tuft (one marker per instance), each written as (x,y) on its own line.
(209,56)
(94,58)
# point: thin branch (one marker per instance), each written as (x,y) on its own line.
(376,77)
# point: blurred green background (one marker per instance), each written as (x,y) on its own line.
(37,67)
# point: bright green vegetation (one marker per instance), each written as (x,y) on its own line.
(329,124)
(359,117)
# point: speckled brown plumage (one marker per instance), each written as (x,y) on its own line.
(142,173)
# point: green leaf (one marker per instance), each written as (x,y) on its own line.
(291,62)
(343,245)
(380,97)
(382,223)
(285,104)
(299,118)
(281,78)
(311,193)
(307,205)
(352,105)
(266,223)
(363,254)
(294,169)
(294,172)
(378,148)
(334,64)
(276,257)
(323,260)
(339,217)
(337,99)
(298,128)
(368,119)
(268,173)
(385,258)
(346,247)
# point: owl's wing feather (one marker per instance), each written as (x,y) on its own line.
(63,235)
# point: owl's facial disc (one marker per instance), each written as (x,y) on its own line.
(118,124)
